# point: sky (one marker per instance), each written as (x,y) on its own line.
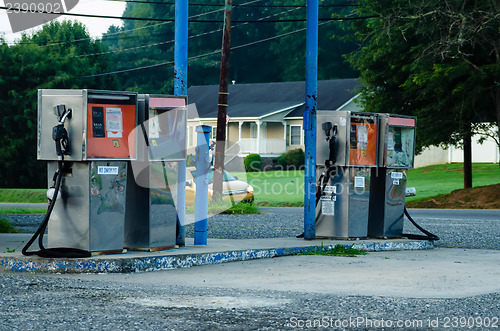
(95,26)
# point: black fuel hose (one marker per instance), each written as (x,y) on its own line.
(428,235)
(53,252)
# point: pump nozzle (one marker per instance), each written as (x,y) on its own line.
(62,113)
(59,133)
(59,110)
(66,114)
(327,126)
(332,146)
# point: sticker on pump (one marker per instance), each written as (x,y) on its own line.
(106,170)
(397,175)
(330,189)
(328,208)
(395,182)
(359,181)
(343,121)
(362,132)
(154,124)
(114,122)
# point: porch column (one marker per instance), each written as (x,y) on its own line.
(284,134)
(258,136)
(227,136)
(239,131)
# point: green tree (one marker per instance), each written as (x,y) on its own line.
(289,51)
(437,60)
(142,43)
(50,58)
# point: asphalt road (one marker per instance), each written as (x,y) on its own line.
(471,228)
(437,214)
(477,229)
(443,288)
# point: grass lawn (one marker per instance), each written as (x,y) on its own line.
(439,179)
(19,211)
(23,195)
(277,188)
(286,188)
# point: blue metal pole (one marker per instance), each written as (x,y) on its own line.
(202,164)
(180,88)
(310,119)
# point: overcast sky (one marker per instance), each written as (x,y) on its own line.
(95,26)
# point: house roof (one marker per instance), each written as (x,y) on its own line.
(260,99)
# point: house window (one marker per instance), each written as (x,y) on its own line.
(253,130)
(295,135)
(213,134)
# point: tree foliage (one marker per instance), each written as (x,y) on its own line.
(438,60)
(61,55)
(139,44)
(47,59)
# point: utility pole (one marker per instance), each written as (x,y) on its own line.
(180,88)
(220,141)
(310,119)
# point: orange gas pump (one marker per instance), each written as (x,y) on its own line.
(94,141)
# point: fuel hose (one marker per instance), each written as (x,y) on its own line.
(428,235)
(59,251)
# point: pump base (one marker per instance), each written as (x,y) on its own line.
(153,249)
(117,251)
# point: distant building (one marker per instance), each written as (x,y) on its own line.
(487,152)
(266,118)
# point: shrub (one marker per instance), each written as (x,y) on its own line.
(190,160)
(253,162)
(6,227)
(294,158)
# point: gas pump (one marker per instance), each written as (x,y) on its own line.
(94,139)
(388,186)
(346,150)
(152,185)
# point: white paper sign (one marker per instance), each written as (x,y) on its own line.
(397,175)
(330,189)
(114,122)
(359,181)
(343,121)
(328,198)
(395,182)
(362,136)
(328,208)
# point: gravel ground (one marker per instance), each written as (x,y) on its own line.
(28,223)
(62,302)
(456,229)
(55,303)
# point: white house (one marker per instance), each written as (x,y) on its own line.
(266,118)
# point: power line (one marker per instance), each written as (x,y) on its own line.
(171,41)
(103,16)
(173,20)
(234,5)
(197,56)
(135,29)
(249,4)
(144,46)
